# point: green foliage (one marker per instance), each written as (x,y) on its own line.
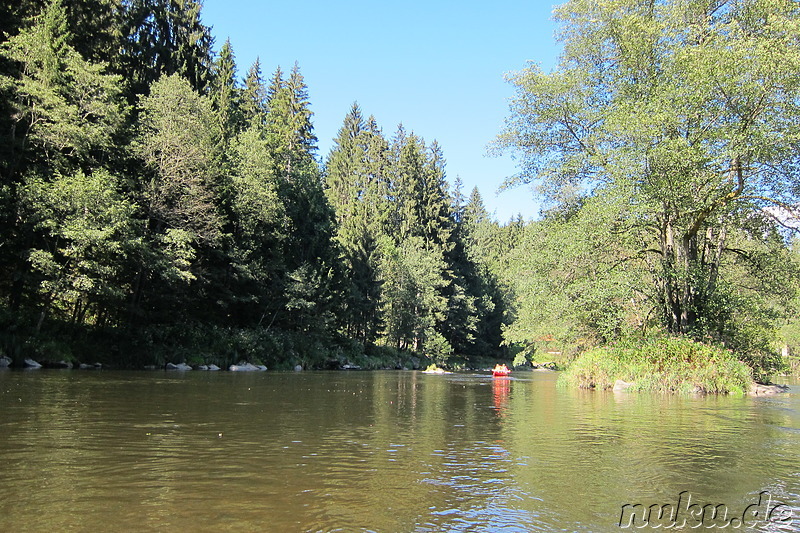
(156,206)
(88,233)
(674,124)
(177,142)
(253,106)
(663,364)
(64,109)
(165,37)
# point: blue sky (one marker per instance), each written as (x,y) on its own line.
(436,66)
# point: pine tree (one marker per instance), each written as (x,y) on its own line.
(311,277)
(166,37)
(225,94)
(96,26)
(289,124)
(63,110)
(253,106)
(457,201)
(350,192)
(475,212)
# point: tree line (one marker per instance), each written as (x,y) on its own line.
(157,207)
(155,204)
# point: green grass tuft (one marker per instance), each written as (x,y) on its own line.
(664,364)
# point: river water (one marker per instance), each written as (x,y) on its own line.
(382,451)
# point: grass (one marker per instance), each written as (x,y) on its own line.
(664,364)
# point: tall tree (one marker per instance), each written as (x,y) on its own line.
(259,222)
(289,123)
(88,233)
(177,143)
(690,122)
(65,109)
(64,113)
(225,94)
(351,188)
(166,37)
(254,96)
(312,277)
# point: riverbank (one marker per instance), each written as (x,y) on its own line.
(665,364)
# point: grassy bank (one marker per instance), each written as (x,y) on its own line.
(666,364)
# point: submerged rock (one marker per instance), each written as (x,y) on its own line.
(246,367)
(30,363)
(760,389)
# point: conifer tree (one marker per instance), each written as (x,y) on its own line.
(166,37)
(253,105)
(312,276)
(349,187)
(225,94)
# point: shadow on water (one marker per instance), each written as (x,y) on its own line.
(372,451)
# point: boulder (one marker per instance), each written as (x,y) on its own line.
(298,368)
(30,363)
(180,366)
(621,385)
(5,362)
(202,367)
(212,367)
(64,365)
(761,389)
(246,367)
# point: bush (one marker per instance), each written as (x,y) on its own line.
(669,364)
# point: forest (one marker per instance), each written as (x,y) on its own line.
(158,206)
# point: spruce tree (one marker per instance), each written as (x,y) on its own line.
(166,37)
(225,94)
(253,103)
(350,192)
(312,278)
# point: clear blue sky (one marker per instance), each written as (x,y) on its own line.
(436,66)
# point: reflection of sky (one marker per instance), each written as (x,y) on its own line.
(374,451)
(482,494)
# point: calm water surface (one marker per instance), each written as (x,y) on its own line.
(374,451)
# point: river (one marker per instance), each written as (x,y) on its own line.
(383,451)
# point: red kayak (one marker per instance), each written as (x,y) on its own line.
(500,371)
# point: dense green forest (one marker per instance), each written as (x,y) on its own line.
(156,205)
